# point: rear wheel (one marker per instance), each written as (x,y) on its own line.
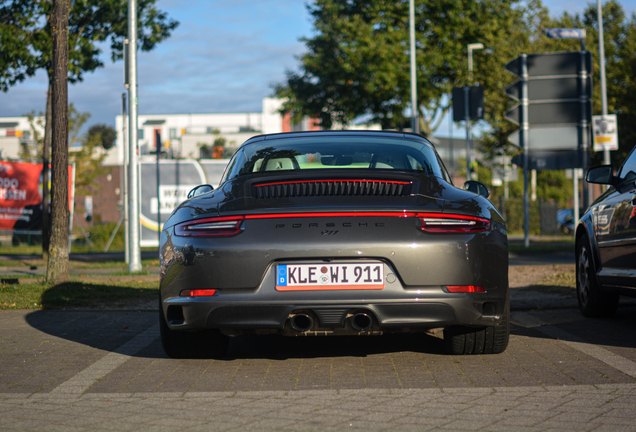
(199,344)
(592,301)
(461,340)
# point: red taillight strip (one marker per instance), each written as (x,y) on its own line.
(331,214)
(339,180)
(432,222)
(465,288)
(197,293)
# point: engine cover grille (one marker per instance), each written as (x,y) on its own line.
(315,188)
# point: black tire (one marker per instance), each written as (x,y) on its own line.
(460,340)
(192,345)
(593,302)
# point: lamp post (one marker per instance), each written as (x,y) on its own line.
(471,47)
(601,55)
(415,124)
(469,134)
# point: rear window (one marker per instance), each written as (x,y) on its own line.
(325,153)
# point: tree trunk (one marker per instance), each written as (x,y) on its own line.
(46,232)
(57,270)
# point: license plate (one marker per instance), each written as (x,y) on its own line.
(328,276)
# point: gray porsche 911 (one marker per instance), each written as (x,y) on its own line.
(334,233)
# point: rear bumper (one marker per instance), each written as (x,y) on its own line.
(387,315)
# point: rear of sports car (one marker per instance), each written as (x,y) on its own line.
(301,251)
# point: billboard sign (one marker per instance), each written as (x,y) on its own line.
(176,179)
(21,195)
(605,132)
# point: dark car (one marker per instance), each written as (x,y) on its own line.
(334,233)
(606,242)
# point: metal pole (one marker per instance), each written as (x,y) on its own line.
(124,182)
(452,161)
(601,56)
(415,124)
(575,188)
(158,150)
(133,194)
(468,131)
(469,134)
(525,129)
(584,125)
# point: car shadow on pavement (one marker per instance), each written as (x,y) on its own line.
(281,348)
(618,331)
(109,330)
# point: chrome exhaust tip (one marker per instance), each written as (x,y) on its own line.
(361,322)
(302,322)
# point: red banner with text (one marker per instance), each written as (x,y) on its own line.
(21,195)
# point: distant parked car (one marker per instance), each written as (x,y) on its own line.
(565,221)
(606,242)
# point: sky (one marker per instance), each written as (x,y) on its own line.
(223,57)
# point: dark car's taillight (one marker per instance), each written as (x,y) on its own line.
(210,227)
(452,223)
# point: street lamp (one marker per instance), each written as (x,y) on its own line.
(415,123)
(471,47)
(469,135)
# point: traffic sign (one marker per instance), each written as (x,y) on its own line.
(605,132)
(545,89)
(476,103)
(565,33)
(549,138)
(552,64)
(552,160)
(547,113)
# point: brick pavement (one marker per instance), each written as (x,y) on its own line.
(82,370)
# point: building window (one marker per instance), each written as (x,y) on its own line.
(173,133)
(140,134)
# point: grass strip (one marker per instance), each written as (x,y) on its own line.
(78,294)
(560,283)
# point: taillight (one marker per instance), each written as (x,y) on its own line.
(465,288)
(197,293)
(452,223)
(210,227)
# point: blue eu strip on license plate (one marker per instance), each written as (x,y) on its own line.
(330,276)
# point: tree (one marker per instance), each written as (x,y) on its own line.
(88,159)
(26,46)
(57,269)
(357,63)
(106,135)
(26,36)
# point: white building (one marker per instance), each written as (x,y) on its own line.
(183,134)
(16,133)
(187,136)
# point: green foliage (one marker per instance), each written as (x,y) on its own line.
(513,212)
(85,150)
(26,36)
(100,234)
(104,134)
(358,61)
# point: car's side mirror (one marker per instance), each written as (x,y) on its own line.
(200,190)
(477,187)
(600,175)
